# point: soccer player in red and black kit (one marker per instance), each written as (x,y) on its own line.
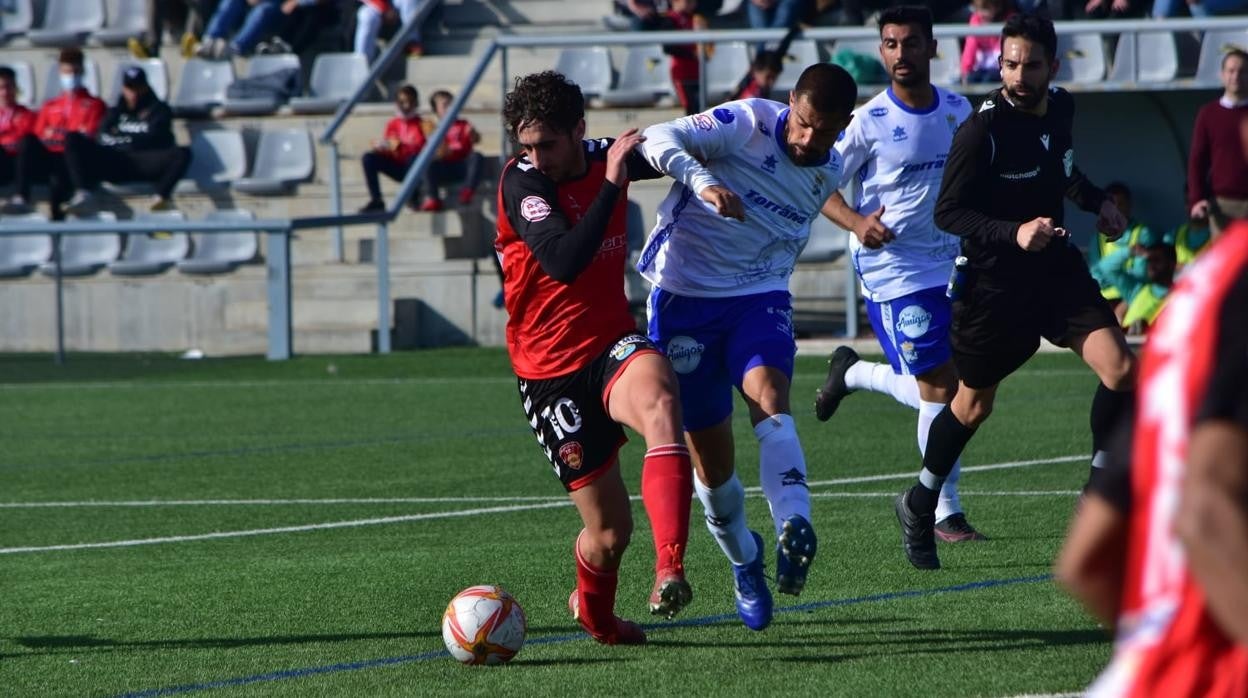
(583,368)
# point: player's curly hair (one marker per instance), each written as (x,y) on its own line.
(546,98)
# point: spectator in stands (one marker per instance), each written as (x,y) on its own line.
(776,14)
(259,19)
(300,26)
(765,69)
(684,57)
(404,138)
(1205,8)
(15,122)
(636,15)
(1190,239)
(1143,274)
(1217,171)
(980,54)
(457,160)
(184,17)
(1101,247)
(135,145)
(373,13)
(41,153)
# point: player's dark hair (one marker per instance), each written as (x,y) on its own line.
(907,14)
(71,56)
(1118,188)
(1233,53)
(6,73)
(410,91)
(768,60)
(828,87)
(1033,28)
(546,98)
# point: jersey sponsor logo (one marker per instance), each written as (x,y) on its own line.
(879,111)
(953,98)
(534,209)
(785,211)
(912,167)
(702,121)
(625,347)
(913,321)
(1044,140)
(899,134)
(1021,175)
(769,164)
(724,115)
(572,454)
(1068,162)
(685,353)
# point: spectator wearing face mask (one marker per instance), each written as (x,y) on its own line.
(403,140)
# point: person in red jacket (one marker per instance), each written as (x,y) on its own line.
(457,161)
(15,122)
(41,154)
(403,141)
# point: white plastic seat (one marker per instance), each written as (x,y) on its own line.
(25,74)
(284,157)
(219,253)
(15,18)
(146,255)
(1213,47)
(67,23)
(801,53)
(157,77)
(644,79)
(335,77)
(1081,58)
(1145,57)
(125,19)
(52,79)
(201,86)
(946,67)
(728,64)
(589,67)
(83,255)
(20,254)
(258,66)
(218,157)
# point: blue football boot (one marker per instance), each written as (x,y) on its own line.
(794,552)
(753,597)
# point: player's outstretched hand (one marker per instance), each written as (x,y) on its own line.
(872,233)
(617,156)
(1111,222)
(1034,235)
(726,203)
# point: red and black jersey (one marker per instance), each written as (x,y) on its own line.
(563,248)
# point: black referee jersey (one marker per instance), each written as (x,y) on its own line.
(1007,167)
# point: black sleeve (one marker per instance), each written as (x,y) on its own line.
(159,128)
(108,128)
(1085,194)
(970,157)
(563,251)
(639,168)
(1227,397)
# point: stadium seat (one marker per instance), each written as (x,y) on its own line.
(20,254)
(125,19)
(729,63)
(257,67)
(801,53)
(219,253)
(15,18)
(157,77)
(826,243)
(589,67)
(946,67)
(146,255)
(83,255)
(52,79)
(643,80)
(284,157)
(25,74)
(1149,57)
(1213,46)
(335,77)
(67,23)
(218,157)
(1082,58)
(202,86)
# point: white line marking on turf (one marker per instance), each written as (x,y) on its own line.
(1019,493)
(914,473)
(1076,694)
(288,529)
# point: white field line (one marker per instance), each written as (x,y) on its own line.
(962,493)
(915,473)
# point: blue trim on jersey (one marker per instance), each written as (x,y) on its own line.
(651,250)
(781,124)
(919,112)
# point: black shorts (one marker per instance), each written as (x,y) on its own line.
(997,325)
(569,415)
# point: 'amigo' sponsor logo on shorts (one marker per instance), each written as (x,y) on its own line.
(913,321)
(685,353)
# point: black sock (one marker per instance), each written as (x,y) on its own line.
(1112,410)
(945,441)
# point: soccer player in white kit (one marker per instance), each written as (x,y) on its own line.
(896,147)
(750,176)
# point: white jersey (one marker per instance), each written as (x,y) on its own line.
(898,157)
(693,251)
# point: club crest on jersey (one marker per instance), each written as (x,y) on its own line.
(762,128)
(703,122)
(913,321)
(953,122)
(724,115)
(818,185)
(909,353)
(769,164)
(572,454)
(534,209)
(685,353)
(879,111)
(899,134)
(1068,161)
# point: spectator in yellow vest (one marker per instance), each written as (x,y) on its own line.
(1190,239)
(1100,247)
(1143,273)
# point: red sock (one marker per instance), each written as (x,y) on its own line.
(595,590)
(666,489)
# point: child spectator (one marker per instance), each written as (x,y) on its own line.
(765,69)
(981,53)
(403,141)
(457,160)
(15,122)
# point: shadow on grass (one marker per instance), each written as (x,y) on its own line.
(891,643)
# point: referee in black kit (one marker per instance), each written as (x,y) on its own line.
(1009,168)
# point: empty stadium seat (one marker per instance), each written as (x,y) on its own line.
(1145,57)
(1213,47)
(946,67)
(589,67)
(15,18)
(83,255)
(724,69)
(157,77)
(68,22)
(25,74)
(826,242)
(219,253)
(259,66)
(201,86)
(20,254)
(52,79)
(801,53)
(218,157)
(644,79)
(284,157)
(125,19)
(1082,58)
(335,77)
(146,255)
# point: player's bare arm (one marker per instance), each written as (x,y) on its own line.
(869,229)
(726,203)
(1091,562)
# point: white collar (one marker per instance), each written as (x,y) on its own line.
(1232,104)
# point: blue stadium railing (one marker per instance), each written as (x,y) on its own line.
(278,231)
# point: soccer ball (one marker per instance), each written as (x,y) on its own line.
(483,625)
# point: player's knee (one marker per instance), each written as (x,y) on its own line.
(972,412)
(611,541)
(1121,376)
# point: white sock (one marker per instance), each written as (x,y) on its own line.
(948,503)
(725,519)
(782,469)
(879,378)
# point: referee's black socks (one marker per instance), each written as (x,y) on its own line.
(945,442)
(1110,408)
